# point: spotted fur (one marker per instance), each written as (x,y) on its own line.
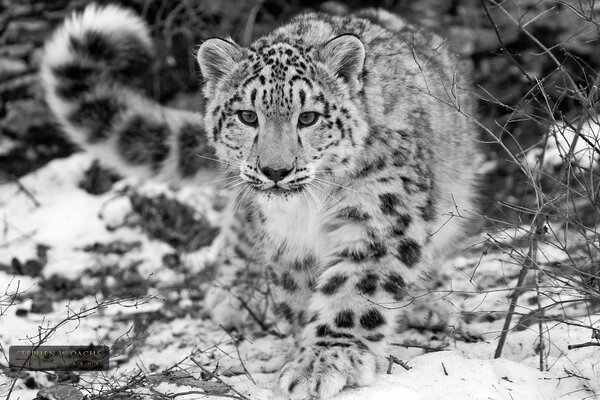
(345,211)
(88,70)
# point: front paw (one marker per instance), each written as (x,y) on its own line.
(324,369)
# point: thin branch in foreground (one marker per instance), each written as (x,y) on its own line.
(395,360)
(580,345)
(503,46)
(212,375)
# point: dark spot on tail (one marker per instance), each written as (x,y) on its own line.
(73,80)
(124,55)
(94,45)
(97,115)
(142,141)
(192,142)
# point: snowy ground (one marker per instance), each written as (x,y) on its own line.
(69,253)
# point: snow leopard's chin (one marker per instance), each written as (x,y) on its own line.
(279,198)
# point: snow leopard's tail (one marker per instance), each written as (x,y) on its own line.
(87,68)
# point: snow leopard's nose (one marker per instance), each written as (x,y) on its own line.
(276,174)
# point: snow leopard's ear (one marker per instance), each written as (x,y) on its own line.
(345,55)
(217,57)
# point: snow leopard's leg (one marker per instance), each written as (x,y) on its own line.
(239,293)
(378,245)
(87,70)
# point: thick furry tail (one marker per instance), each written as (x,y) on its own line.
(87,68)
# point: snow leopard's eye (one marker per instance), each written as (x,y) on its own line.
(248,117)
(307,119)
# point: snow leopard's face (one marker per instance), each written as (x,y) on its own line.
(281,114)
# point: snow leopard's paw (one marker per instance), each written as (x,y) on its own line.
(324,369)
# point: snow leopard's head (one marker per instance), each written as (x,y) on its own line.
(283,114)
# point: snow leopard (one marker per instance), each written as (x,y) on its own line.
(353,138)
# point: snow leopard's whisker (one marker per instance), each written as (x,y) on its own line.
(220,180)
(317,185)
(306,198)
(336,184)
(324,171)
(238,193)
(245,192)
(233,184)
(238,179)
(317,202)
(219,161)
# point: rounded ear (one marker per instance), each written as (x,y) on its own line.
(345,55)
(218,56)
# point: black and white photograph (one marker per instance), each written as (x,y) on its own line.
(299,200)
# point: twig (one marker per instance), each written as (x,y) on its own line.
(237,349)
(571,374)
(26,191)
(206,371)
(255,317)
(419,346)
(395,360)
(444,368)
(503,46)
(45,333)
(587,344)
(530,261)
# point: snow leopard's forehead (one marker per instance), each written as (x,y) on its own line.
(282,56)
(280,77)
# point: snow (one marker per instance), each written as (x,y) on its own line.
(450,375)
(561,139)
(473,294)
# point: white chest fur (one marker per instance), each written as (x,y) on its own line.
(297,223)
